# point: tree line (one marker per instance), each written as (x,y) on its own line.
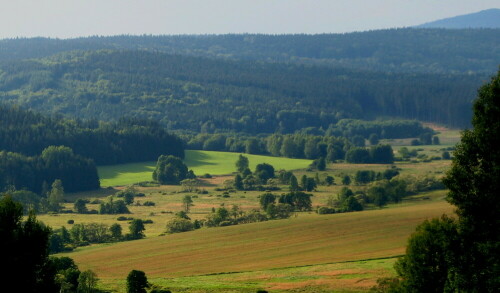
(127,140)
(35,173)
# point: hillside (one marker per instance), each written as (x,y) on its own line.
(207,95)
(306,240)
(489,18)
(393,50)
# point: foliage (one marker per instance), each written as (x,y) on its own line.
(346,180)
(53,163)
(281,97)
(113,207)
(299,200)
(116,231)
(170,170)
(137,282)
(28,133)
(264,172)
(80,206)
(430,254)
(87,282)
(241,163)
(294,184)
(462,255)
(25,246)
(187,203)
(136,229)
(325,210)
(279,211)
(474,188)
(266,199)
(177,225)
(29,200)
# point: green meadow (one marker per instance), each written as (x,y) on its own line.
(201,162)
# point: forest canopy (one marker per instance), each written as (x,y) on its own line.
(208,95)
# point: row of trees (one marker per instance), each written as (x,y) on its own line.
(85,234)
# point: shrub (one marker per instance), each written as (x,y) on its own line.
(71,222)
(177,225)
(148,204)
(325,210)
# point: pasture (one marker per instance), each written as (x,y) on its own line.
(201,162)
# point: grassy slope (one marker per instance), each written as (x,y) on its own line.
(306,240)
(201,162)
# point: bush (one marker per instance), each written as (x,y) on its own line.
(148,204)
(71,222)
(148,221)
(325,210)
(177,225)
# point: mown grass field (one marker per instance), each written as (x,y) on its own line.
(201,162)
(308,239)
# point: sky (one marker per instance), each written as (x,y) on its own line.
(77,18)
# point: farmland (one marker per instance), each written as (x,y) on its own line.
(345,252)
(201,162)
(307,239)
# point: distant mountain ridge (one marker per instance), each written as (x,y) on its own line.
(489,18)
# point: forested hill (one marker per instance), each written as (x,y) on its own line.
(489,18)
(204,95)
(127,140)
(393,50)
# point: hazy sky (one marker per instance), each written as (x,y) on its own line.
(73,18)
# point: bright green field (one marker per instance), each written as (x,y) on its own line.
(201,162)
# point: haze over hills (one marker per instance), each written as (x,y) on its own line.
(489,18)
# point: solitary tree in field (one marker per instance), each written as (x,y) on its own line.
(137,282)
(170,170)
(187,202)
(137,229)
(241,163)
